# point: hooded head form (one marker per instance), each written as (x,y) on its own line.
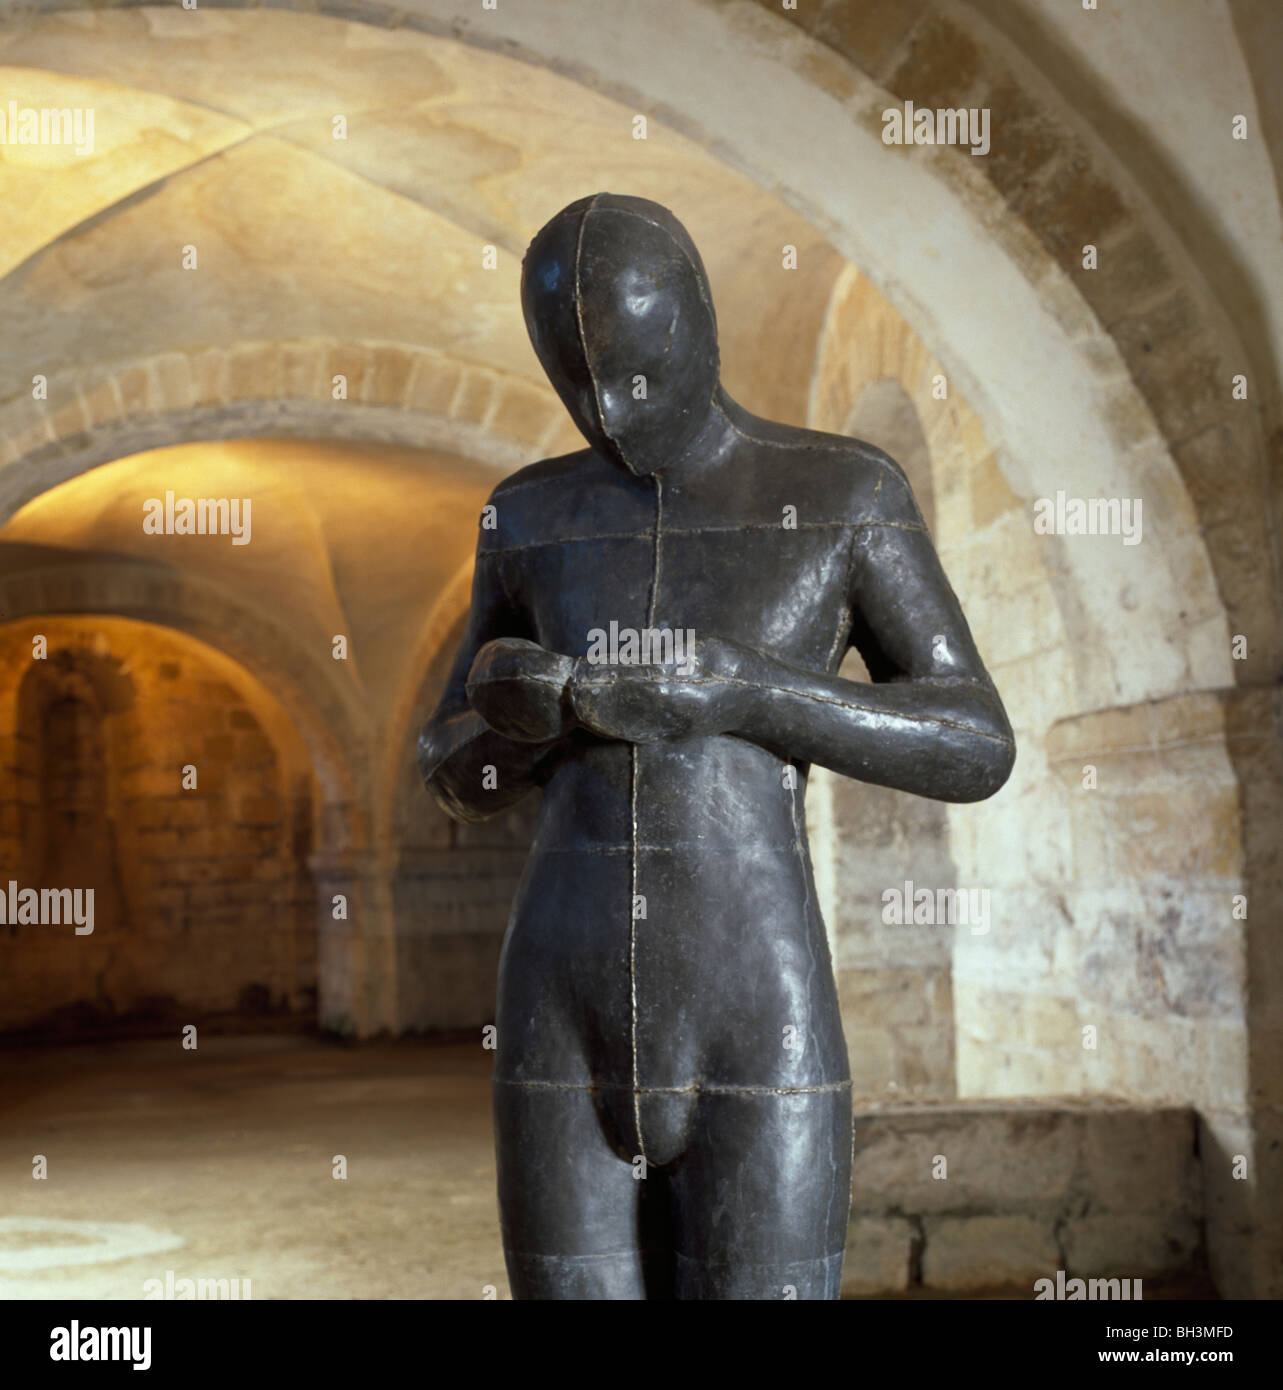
(617,305)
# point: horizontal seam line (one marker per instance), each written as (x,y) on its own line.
(688,1259)
(696,1088)
(603,1255)
(760,1264)
(731,846)
(700,531)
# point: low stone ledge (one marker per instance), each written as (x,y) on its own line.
(974,1195)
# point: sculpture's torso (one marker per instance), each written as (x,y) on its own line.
(666,940)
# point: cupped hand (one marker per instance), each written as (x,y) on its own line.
(520,689)
(646,702)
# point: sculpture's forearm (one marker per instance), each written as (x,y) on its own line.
(937,737)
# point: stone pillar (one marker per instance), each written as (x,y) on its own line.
(1246,1214)
(356,953)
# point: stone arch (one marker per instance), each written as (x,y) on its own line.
(830,70)
(1059,181)
(836,85)
(326,716)
(398,394)
(1015,226)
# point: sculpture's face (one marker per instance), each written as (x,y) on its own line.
(618,309)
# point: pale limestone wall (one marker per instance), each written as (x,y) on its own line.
(202,899)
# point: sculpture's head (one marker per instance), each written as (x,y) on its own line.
(618,309)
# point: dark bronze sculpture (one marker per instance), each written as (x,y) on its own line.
(671,1090)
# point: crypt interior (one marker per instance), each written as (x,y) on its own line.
(288,272)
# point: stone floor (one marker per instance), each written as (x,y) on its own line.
(217,1164)
(229,1150)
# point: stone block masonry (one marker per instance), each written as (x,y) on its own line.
(985,1195)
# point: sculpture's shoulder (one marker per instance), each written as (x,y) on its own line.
(555,499)
(523,487)
(881,490)
(859,481)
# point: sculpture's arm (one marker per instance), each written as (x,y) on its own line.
(929,721)
(471,769)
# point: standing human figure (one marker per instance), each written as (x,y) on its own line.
(671,1088)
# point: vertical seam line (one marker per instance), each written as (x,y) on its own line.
(579,313)
(632,906)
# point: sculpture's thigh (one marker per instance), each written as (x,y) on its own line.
(761,1195)
(568,1204)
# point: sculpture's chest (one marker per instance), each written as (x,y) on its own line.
(779,584)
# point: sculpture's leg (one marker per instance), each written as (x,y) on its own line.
(761,1195)
(576,1222)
